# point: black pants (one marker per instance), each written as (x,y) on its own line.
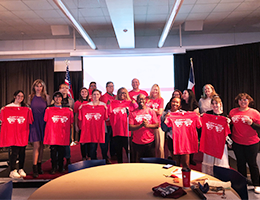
(247,154)
(84,148)
(143,150)
(17,151)
(60,150)
(121,143)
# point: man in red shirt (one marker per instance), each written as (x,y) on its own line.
(142,122)
(107,98)
(134,93)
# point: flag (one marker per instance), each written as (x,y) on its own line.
(191,82)
(67,82)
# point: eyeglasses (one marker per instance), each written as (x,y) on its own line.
(243,99)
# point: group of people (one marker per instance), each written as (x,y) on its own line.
(134,121)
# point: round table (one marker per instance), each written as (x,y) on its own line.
(115,181)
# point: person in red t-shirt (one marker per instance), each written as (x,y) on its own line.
(16,118)
(58,119)
(118,111)
(83,99)
(134,93)
(142,122)
(107,98)
(156,102)
(245,138)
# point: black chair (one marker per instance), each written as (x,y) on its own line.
(6,190)
(85,164)
(238,181)
(157,160)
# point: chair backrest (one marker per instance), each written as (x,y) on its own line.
(85,164)
(238,181)
(157,160)
(6,190)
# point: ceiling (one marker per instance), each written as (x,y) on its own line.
(32,19)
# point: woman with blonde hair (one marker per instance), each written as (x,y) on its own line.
(38,100)
(205,100)
(156,103)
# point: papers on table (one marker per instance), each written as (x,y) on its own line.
(193,176)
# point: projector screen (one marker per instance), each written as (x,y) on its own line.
(121,70)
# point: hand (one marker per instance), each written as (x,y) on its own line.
(145,123)
(249,121)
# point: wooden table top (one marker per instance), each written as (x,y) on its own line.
(115,181)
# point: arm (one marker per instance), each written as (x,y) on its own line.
(135,127)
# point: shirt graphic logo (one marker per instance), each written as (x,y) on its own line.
(236,118)
(19,119)
(180,122)
(117,110)
(57,118)
(211,125)
(140,118)
(96,116)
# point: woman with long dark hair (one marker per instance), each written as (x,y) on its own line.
(16,118)
(83,99)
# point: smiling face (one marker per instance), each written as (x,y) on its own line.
(155,92)
(38,88)
(208,90)
(84,93)
(176,94)
(95,96)
(135,84)
(216,106)
(18,99)
(110,88)
(243,102)
(57,100)
(64,89)
(175,104)
(141,100)
(122,94)
(185,95)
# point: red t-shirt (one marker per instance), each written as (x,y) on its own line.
(15,126)
(118,116)
(133,95)
(242,133)
(143,135)
(156,104)
(184,133)
(76,109)
(93,123)
(58,124)
(213,136)
(105,98)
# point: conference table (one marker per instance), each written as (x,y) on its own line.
(115,181)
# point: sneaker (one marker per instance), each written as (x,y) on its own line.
(257,189)
(14,174)
(73,143)
(22,173)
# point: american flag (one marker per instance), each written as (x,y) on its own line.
(67,81)
(191,82)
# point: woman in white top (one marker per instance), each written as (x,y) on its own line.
(205,100)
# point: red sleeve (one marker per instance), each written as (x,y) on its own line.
(168,122)
(76,107)
(30,115)
(198,125)
(46,115)
(1,114)
(131,119)
(106,113)
(80,114)
(154,117)
(71,117)
(133,106)
(256,117)
(161,103)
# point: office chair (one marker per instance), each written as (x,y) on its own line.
(157,160)
(238,181)
(85,164)
(6,190)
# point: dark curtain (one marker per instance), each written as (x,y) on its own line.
(76,79)
(231,70)
(21,74)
